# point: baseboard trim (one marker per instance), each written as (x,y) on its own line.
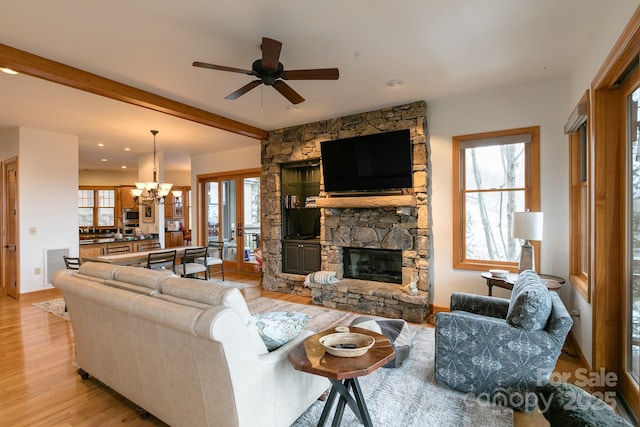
(38,295)
(571,340)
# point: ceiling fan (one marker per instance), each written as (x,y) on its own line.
(271,72)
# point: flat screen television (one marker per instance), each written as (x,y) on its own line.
(376,163)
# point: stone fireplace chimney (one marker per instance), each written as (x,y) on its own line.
(398,222)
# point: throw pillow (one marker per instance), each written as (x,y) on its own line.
(277,328)
(321,277)
(530,304)
(398,332)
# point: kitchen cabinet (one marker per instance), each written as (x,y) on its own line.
(173,239)
(300,257)
(126,199)
(174,206)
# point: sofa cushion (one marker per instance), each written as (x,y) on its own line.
(530,304)
(192,291)
(99,270)
(398,332)
(277,328)
(207,293)
(142,276)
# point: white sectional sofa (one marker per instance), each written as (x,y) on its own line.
(184,350)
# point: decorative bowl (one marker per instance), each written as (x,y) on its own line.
(500,274)
(348,344)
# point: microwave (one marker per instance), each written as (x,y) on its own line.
(131,215)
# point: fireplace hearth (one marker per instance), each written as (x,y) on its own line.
(380,265)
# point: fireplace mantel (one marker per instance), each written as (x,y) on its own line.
(404,200)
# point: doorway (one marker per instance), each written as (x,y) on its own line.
(10,221)
(231,216)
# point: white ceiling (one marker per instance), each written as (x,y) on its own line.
(437,48)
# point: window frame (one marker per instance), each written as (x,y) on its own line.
(531,189)
(580,198)
(96,206)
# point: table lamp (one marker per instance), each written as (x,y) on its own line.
(527,226)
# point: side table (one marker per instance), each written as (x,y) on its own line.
(343,372)
(553,282)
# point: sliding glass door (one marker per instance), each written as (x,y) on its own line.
(232,216)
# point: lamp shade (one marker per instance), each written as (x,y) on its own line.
(527,225)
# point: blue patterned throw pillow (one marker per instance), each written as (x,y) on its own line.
(277,328)
(530,304)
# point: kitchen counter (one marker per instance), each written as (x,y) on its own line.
(96,246)
(112,240)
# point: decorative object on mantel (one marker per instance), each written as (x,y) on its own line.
(527,226)
(150,192)
(411,288)
(321,277)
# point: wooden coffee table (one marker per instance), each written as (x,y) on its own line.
(343,372)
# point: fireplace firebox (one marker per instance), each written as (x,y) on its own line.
(380,265)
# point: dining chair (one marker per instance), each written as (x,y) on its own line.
(148,246)
(116,249)
(213,259)
(164,260)
(190,266)
(72,263)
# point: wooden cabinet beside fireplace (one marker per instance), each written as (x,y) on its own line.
(300,218)
(300,257)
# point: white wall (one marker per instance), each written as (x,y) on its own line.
(538,104)
(225,161)
(48,200)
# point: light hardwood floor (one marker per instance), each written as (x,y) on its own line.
(40,387)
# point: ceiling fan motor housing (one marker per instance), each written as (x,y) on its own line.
(267,77)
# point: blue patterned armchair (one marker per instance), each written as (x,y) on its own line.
(498,349)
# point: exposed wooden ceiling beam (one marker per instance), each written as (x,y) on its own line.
(37,66)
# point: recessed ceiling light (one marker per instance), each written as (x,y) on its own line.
(293,108)
(8,71)
(394,83)
(100,144)
(123,167)
(127,149)
(103,160)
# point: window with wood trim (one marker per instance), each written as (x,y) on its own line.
(96,207)
(579,171)
(494,174)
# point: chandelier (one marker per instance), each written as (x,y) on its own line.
(147,193)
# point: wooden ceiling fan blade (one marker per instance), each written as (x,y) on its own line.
(288,92)
(315,74)
(244,89)
(223,68)
(270,53)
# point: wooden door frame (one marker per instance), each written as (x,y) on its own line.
(608,210)
(202,196)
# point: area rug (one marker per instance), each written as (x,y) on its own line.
(55,307)
(231,284)
(404,397)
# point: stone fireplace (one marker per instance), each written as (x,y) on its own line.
(378,265)
(397,224)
